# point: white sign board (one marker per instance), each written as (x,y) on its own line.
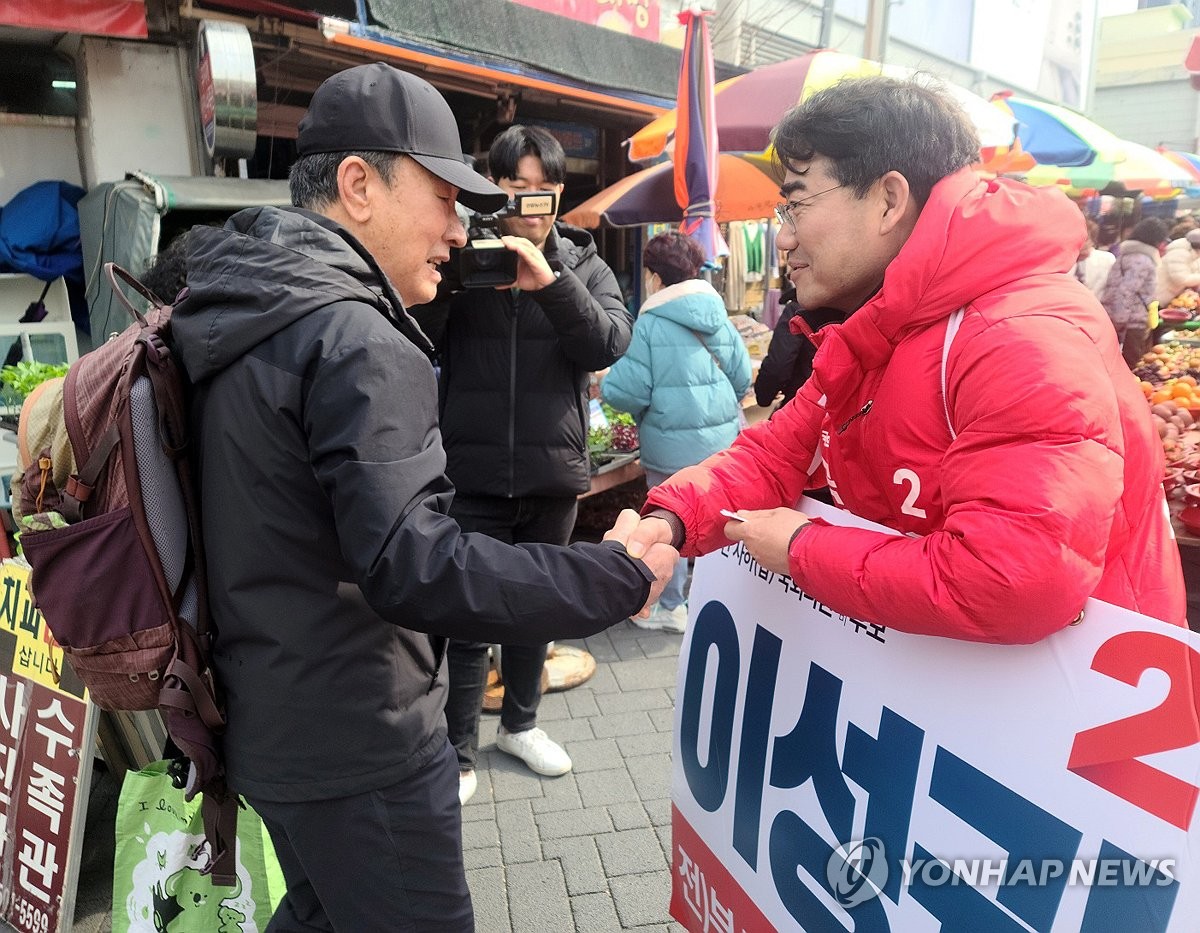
(831,775)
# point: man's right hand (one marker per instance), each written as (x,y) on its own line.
(652,539)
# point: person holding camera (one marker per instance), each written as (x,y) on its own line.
(515,365)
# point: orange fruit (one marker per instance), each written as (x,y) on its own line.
(1189,379)
(1181,390)
(1160,395)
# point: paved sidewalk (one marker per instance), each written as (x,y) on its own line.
(586,852)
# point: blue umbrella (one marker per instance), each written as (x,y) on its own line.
(695,156)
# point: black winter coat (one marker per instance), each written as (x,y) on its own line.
(331,561)
(515,371)
(789,359)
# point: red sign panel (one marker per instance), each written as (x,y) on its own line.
(632,17)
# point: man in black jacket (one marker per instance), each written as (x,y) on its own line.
(333,568)
(514,413)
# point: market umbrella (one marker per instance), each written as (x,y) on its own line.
(743,192)
(1078,155)
(749,106)
(1189,162)
(696,168)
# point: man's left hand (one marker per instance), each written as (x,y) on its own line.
(533,272)
(766,534)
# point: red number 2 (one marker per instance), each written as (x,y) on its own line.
(1107,755)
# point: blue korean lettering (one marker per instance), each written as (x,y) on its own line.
(713,627)
(752,753)
(1026,831)
(1144,903)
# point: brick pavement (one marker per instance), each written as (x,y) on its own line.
(587,852)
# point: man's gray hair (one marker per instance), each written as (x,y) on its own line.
(312,180)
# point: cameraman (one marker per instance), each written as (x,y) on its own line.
(514,418)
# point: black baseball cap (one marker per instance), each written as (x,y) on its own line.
(379,108)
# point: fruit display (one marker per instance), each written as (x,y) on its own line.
(1187,300)
(1166,361)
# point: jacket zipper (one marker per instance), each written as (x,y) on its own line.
(858,414)
(512,401)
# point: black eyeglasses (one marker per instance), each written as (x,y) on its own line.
(786,212)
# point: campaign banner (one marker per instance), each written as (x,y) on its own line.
(830,774)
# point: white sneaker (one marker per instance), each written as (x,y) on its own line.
(467,783)
(536,749)
(665,620)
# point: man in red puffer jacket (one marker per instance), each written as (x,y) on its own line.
(975,398)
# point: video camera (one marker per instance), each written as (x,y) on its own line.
(485,262)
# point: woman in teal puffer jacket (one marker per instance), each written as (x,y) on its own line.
(683,379)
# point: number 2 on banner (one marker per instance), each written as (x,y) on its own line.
(1107,754)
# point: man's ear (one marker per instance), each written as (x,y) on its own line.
(355,179)
(897,201)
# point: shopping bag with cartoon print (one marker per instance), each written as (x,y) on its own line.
(159,885)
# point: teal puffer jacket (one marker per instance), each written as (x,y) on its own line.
(682,378)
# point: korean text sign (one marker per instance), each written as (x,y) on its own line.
(832,775)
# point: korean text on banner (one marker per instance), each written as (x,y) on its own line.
(830,774)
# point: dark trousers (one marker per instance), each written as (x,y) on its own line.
(387,860)
(532,519)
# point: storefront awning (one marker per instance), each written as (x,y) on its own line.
(387,45)
(525,47)
(125,18)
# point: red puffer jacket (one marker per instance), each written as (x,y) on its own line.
(1016,454)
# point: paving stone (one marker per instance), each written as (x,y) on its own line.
(583,704)
(576,823)
(663,719)
(633,852)
(482,858)
(554,706)
(519,840)
(661,645)
(603,681)
(595,913)
(511,780)
(481,834)
(659,811)
(537,897)
(601,648)
(631,815)
(642,899)
(595,755)
(580,863)
(634,723)
(566,730)
(559,794)
(490,900)
(645,743)
(664,836)
(640,675)
(629,649)
(633,700)
(651,776)
(600,788)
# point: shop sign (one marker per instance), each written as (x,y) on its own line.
(227,89)
(579,141)
(834,774)
(47,732)
(632,17)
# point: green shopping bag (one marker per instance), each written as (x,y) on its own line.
(157,882)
